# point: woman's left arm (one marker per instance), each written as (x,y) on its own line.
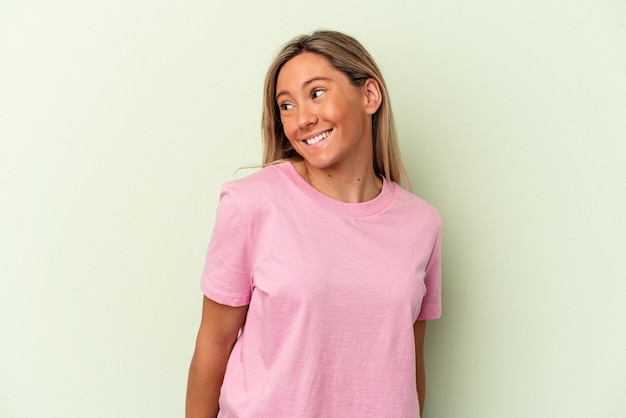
(419,330)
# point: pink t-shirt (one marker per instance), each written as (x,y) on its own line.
(333,290)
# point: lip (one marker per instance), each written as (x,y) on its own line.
(316,134)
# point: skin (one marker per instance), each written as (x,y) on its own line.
(314,98)
(419,331)
(218,331)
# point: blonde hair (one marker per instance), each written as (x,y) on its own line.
(347,55)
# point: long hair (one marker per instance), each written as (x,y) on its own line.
(347,55)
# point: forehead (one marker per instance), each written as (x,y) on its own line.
(304,67)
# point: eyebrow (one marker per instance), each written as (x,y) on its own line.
(306,83)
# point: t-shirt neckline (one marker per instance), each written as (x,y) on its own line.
(370,207)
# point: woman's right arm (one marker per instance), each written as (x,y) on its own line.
(218,332)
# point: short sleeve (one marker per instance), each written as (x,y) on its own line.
(227,276)
(431,304)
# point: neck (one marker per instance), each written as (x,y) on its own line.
(350,185)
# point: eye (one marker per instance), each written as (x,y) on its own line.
(317,93)
(285,106)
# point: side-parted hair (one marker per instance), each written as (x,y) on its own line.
(347,55)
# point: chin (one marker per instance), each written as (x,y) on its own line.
(320,163)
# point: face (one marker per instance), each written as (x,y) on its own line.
(327,120)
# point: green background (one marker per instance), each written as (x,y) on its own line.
(119,121)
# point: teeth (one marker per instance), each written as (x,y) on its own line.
(317,138)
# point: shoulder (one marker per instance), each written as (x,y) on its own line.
(415,206)
(256,187)
(264,178)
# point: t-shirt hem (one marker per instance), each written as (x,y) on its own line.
(235,302)
(429,317)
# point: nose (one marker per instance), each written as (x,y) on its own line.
(306,117)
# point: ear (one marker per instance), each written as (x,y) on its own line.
(372,96)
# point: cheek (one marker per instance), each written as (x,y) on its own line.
(338,111)
(330,111)
(289,128)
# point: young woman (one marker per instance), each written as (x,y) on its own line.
(321,271)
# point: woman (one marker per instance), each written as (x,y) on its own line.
(328,267)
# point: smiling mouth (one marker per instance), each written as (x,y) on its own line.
(317,138)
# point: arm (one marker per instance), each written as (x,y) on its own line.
(419,330)
(218,331)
